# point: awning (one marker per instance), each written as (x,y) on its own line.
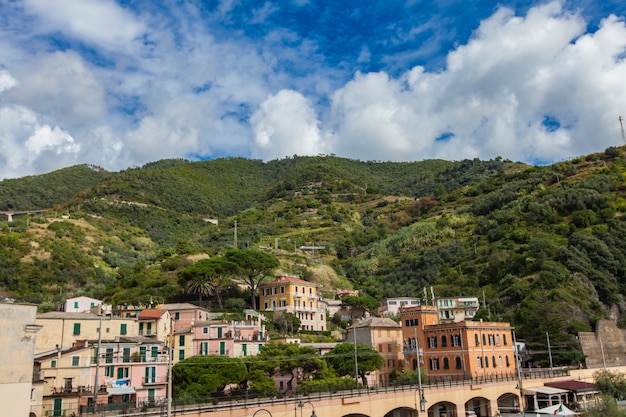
(121,390)
(545,390)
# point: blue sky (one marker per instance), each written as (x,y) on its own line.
(122,83)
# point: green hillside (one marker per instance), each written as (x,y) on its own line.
(543,247)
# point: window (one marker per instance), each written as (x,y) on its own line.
(109,371)
(432,342)
(53,363)
(181,340)
(444,341)
(126,355)
(484,340)
(140,329)
(388,347)
(491,340)
(504,339)
(76,329)
(154,351)
(142,353)
(497,340)
(477,340)
(205,330)
(181,354)
(75,304)
(122,372)
(222,348)
(457,362)
(380,348)
(486,361)
(219,332)
(150,374)
(123,328)
(500,361)
(149,330)
(480,362)
(434,364)
(244,349)
(506,359)
(177,316)
(493,361)
(446,363)
(456,340)
(204,348)
(108,357)
(75,360)
(282,290)
(283,303)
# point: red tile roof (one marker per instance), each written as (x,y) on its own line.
(151,314)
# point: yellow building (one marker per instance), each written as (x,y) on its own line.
(297,296)
(385,336)
(16,363)
(64,330)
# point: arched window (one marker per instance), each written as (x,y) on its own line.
(493,361)
(446,363)
(480,362)
(476,339)
(444,341)
(486,361)
(457,361)
(506,359)
(484,340)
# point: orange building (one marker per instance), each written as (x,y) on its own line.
(467,349)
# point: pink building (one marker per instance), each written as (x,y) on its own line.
(186,314)
(134,369)
(236,339)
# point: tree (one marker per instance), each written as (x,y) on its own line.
(284,358)
(208,277)
(253,265)
(363,302)
(611,383)
(198,376)
(286,323)
(341,359)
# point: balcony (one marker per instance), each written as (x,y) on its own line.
(153,381)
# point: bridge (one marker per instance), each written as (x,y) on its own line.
(11,213)
(443,400)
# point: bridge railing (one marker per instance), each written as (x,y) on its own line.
(211,404)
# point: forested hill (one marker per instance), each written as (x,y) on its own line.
(544,247)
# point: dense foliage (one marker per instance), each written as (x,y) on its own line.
(543,247)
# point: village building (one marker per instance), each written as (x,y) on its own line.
(385,336)
(297,296)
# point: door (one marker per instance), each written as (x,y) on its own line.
(57,408)
(222,348)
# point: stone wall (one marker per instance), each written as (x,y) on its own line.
(605,347)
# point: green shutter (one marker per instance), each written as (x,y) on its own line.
(76,329)
(222,348)
(123,328)
(126,355)
(154,351)
(142,353)
(120,373)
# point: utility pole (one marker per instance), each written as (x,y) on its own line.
(235,237)
(95,389)
(356,357)
(621,125)
(169,369)
(549,350)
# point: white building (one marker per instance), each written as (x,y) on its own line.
(391,306)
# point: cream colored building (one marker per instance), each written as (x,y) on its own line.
(16,364)
(63,330)
(385,336)
(296,296)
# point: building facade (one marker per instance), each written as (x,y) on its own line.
(457,309)
(16,364)
(297,296)
(385,336)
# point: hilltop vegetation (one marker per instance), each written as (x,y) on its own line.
(544,247)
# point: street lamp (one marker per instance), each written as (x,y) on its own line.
(422,401)
(301,405)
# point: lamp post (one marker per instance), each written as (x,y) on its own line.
(170,352)
(95,389)
(518,364)
(301,405)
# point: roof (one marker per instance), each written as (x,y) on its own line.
(556,410)
(572,385)
(151,314)
(64,315)
(546,390)
(182,306)
(287,279)
(377,322)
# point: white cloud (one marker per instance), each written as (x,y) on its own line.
(286,125)
(494,96)
(146,84)
(100,22)
(6,81)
